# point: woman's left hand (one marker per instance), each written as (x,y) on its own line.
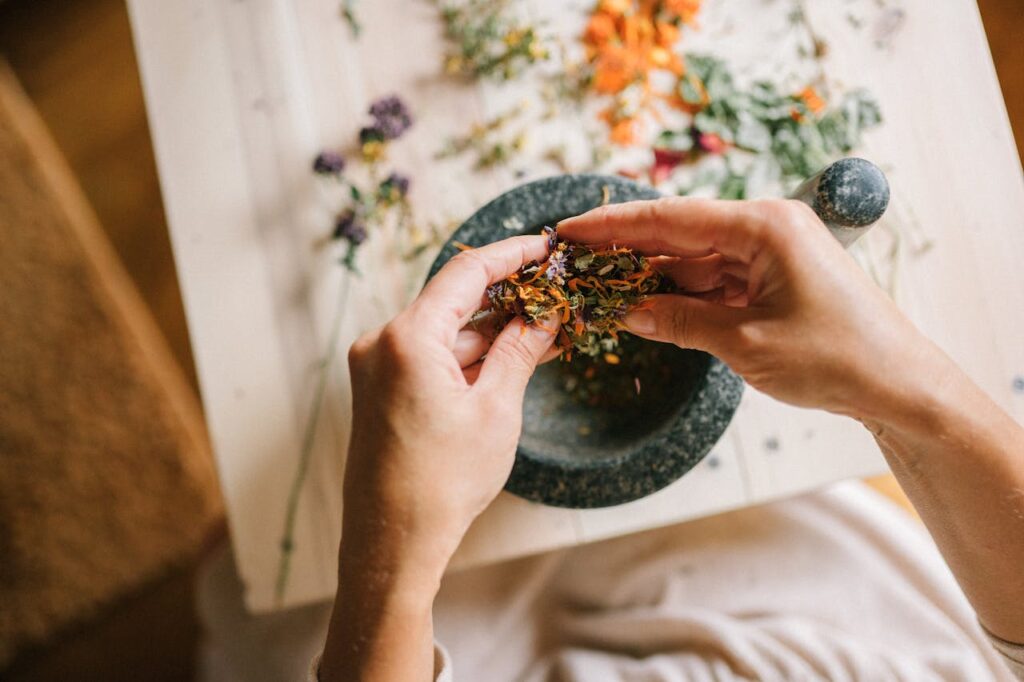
(437,410)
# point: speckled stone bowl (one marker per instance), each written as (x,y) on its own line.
(574,455)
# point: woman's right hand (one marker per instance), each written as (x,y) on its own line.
(770,292)
(767,289)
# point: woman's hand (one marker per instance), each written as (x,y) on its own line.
(437,411)
(773,295)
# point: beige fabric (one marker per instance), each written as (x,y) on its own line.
(1013,654)
(106,479)
(838,585)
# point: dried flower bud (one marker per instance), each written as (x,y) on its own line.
(391,117)
(347,227)
(329,163)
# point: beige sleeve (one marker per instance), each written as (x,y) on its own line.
(1013,654)
(442,666)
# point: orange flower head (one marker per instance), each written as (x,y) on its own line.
(615,7)
(624,132)
(666,34)
(811,98)
(686,10)
(615,69)
(600,29)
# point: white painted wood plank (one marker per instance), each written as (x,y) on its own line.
(223,268)
(240,97)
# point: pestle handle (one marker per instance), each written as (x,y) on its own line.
(849,196)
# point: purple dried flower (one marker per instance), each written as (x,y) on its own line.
(329,163)
(391,116)
(349,229)
(556,267)
(552,235)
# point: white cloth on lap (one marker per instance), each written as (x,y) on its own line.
(838,585)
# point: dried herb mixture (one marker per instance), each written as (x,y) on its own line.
(585,290)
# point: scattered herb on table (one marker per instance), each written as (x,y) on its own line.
(376,197)
(487,40)
(491,143)
(584,290)
(626,42)
(348,13)
(380,198)
(795,134)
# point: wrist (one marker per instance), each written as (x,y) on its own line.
(384,595)
(914,393)
(413,556)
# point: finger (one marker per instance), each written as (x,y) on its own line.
(454,294)
(675,226)
(686,321)
(735,291)
(470,346)
(472,372)
(515,354)
(692,275)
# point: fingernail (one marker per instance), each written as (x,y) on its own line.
(640,321)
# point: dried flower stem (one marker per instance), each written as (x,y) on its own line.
(287,546)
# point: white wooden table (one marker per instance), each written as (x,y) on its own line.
(241,96)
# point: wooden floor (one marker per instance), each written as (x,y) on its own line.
(75,59)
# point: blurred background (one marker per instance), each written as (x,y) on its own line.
(102,525)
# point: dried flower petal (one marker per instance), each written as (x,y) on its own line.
(587,289)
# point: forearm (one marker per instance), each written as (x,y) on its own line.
(381,628)
(960,459)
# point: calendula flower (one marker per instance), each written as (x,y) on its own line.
(328,163)
(391,117)
(600,28)
(814,102)
(686,10)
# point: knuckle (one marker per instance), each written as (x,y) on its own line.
(782,221)
(681,322)
(514,353)
(800,211)
(359,351)
(469,260)
(749,338)
(392,341)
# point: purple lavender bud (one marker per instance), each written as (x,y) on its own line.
(391,116)
(552,234)
(329,163)
(556,267)
(348,228)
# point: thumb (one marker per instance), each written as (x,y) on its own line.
(685,321)
(516,352)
